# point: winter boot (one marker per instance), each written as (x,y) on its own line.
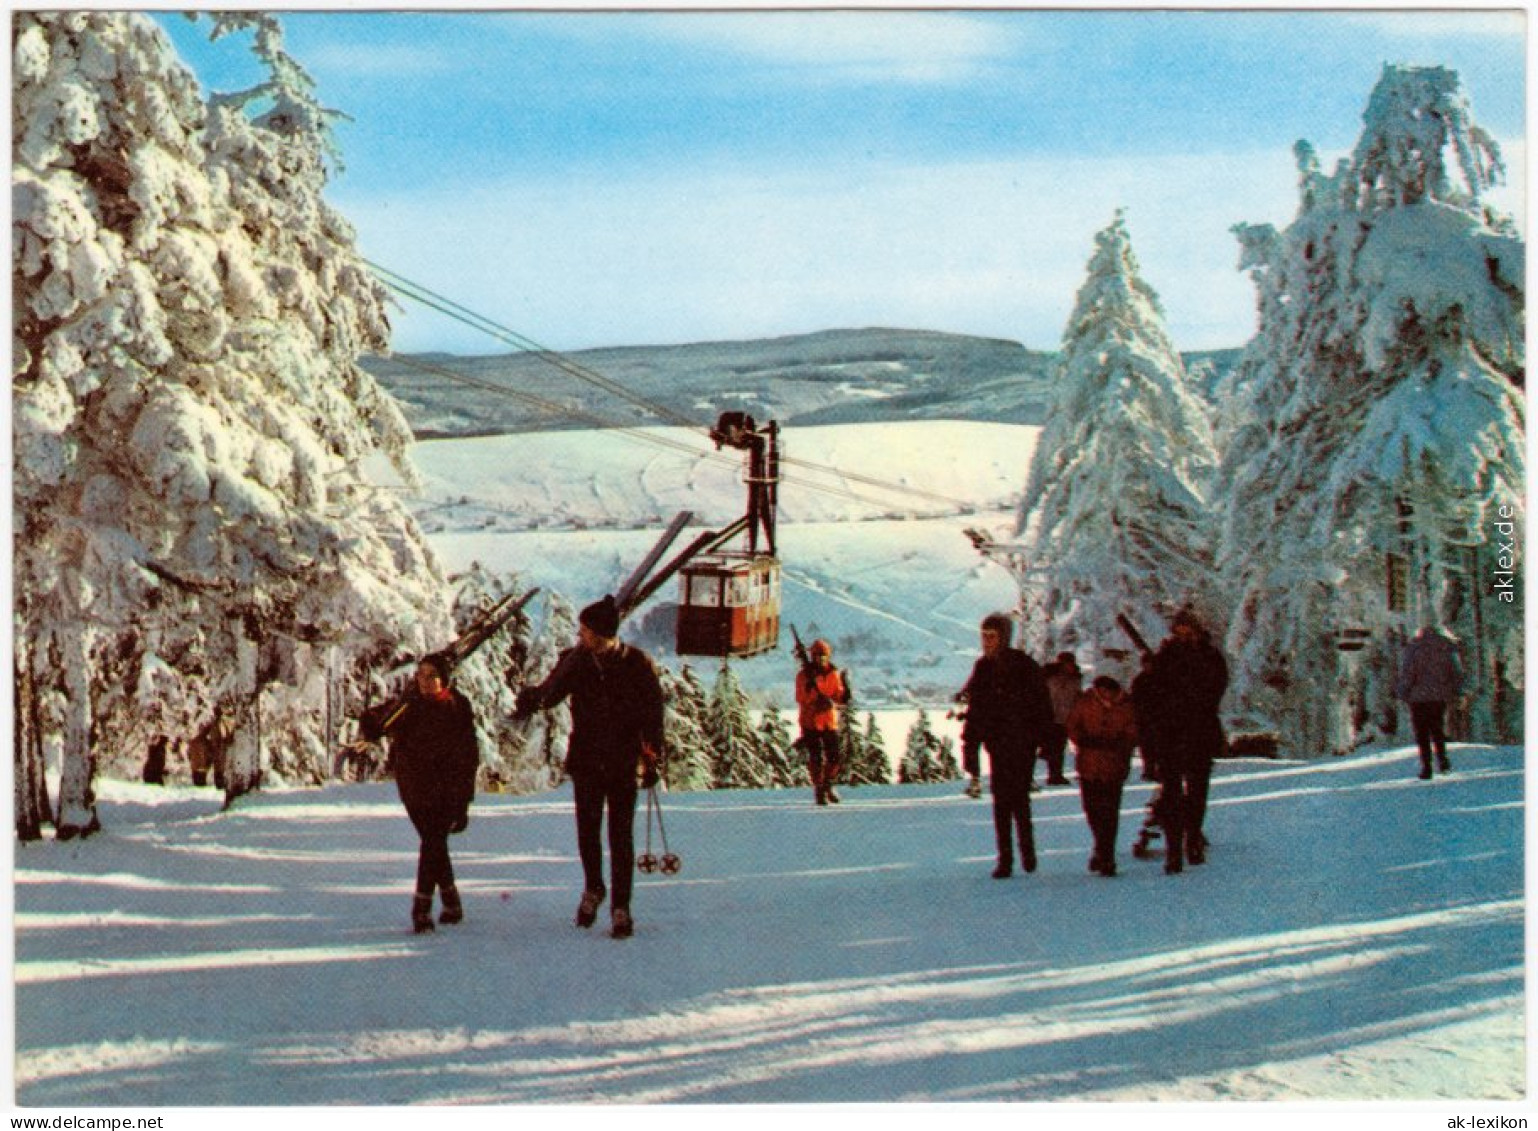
(974,788)
(621,925)
(587,910)
(1443,764)
(453,911)
(422,913)
(1003,870)
(829,776)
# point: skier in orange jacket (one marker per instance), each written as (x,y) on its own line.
(820,689)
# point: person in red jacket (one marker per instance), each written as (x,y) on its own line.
(820,689)
(435,755)
(1103,729)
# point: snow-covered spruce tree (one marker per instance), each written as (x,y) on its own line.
(739,762)
(192,532)
(920,761)
(690,755)
(862,753)
(1115,505)
(1378,421)
(775,744)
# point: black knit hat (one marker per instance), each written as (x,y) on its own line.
(601,617)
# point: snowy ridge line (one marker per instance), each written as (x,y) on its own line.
(661,411)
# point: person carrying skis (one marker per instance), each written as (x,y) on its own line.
(1008,710)
(615,745)
(435,755)
(820,689)
(1185,685)
(1065,683)
(1104,731)
(1429,678)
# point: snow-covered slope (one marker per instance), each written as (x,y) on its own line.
(1356,935)
(890,578)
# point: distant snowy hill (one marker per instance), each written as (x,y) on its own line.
(833,377)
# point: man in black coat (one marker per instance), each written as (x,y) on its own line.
(1008,712)
(1185,686)
(435,755)
(616,740)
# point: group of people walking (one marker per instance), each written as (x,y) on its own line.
(1018,711)
(1015,709)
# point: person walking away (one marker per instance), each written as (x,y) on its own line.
(1187,680)
(1065,683)
(1008,710)
(615,746)
(435,755)
(1103,728)
(820,690)
(1430,678)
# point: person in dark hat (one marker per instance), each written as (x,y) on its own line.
(435,755)
(1184,689)
(615,747)
(1008,710)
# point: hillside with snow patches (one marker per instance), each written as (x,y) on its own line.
(888,577)
(1356,935)
(846,376)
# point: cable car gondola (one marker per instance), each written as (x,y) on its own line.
(729,603)
(729,600)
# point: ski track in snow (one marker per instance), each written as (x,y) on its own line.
(856,953)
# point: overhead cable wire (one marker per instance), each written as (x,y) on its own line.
(656,439)
(561,361)
(460,313)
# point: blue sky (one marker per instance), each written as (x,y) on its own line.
(626,178)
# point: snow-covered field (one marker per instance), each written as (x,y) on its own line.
(889,577)
(1356,935)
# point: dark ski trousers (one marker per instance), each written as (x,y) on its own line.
(1010,771)
(1102,806)
(593,795)
(1426,719)
(821,748)
(1186,770)
(434,869)
(1053,744)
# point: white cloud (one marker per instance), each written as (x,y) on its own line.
(842,46)
(994,249)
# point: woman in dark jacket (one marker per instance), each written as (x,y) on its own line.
(435,755)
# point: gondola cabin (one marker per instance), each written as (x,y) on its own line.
(729,605)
